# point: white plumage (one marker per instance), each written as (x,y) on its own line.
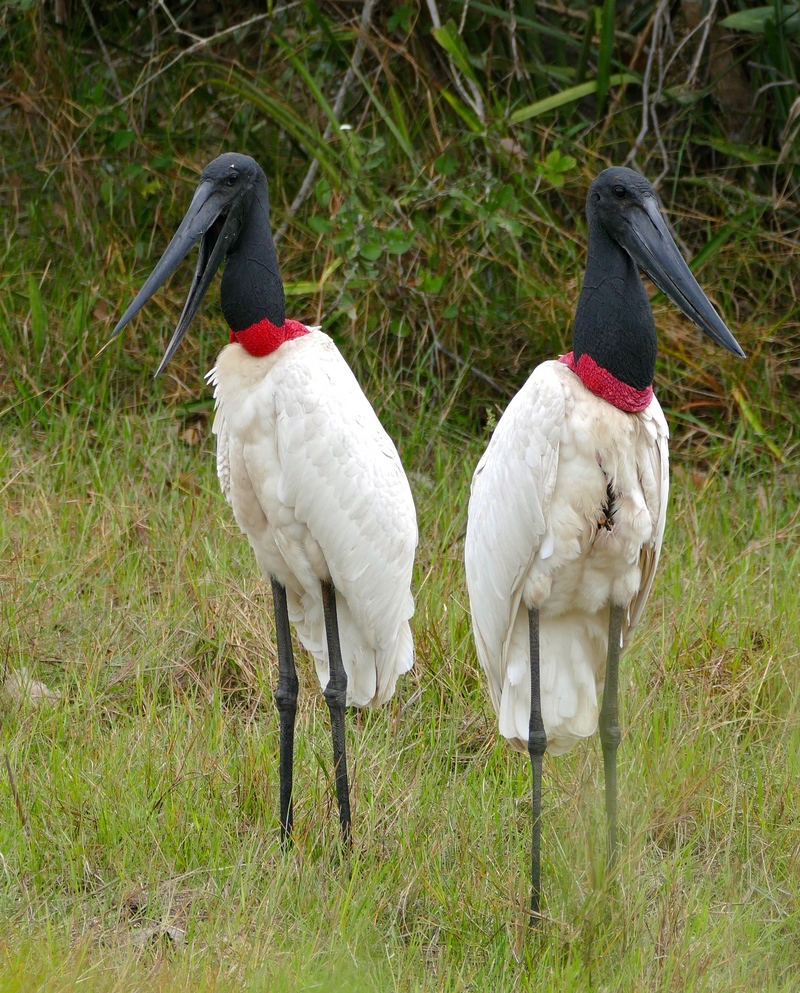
(317,486)
(537,537)
(314,481)
(568,504)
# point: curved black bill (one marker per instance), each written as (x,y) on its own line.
(199,223)
(648,241)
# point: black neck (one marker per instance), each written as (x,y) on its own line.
(251,284)
(614,323)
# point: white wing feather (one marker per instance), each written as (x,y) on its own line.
(317,485)
(508,515)
(658,485)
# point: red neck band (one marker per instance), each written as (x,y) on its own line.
(600,382)
(264,337)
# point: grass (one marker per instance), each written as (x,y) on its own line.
(149,789)
(442,250)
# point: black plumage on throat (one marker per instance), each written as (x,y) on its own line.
(614,321)
(252,288)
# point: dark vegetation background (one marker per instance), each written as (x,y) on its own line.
(449,147)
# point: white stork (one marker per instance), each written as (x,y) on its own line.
(568,503)
(314,481)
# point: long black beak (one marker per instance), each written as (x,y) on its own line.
(647,240)
(199,223)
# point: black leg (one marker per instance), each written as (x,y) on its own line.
(286,702)
(335,694)
(537,744)
(610,733)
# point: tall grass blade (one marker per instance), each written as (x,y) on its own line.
(570,95)
(753,420)
(402,141)
(744,224)
(319,96)
(605,54)
(467,114)
(452,42)
(400,132)
(399,114)
(523,21)
(38,317)
(586,47)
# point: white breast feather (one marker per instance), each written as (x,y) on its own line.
(534,539)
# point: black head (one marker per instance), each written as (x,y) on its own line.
(228,188)
(625,206)
(614,194)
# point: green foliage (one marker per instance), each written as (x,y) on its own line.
(151,857)
(755,19)
(446,218)
(442,245)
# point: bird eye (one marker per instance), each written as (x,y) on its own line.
(619,192)
(232,179)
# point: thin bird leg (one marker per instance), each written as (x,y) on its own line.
(286,702)
(610,733)
(537,744)
(335,694)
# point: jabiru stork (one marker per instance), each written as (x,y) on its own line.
(568,503)
(314,480)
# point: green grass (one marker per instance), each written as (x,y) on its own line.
(149,789)
(451,250)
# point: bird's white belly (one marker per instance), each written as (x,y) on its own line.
(599,523)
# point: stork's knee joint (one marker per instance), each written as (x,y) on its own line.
(537,743)
(286,698)
(335,696)
(610,733)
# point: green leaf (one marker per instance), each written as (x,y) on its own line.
(452,42)
(570,95)
(451,312)
(401,18)
(556,162)
(305,288)
(397,241)
(121,139)
(510,224)
(400,327)
(322,192)
(467,114)
(446,164)
(428,282)
(752,154)
(754,20)
(38,316)
(371,251)
(752,419)
(320,225)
